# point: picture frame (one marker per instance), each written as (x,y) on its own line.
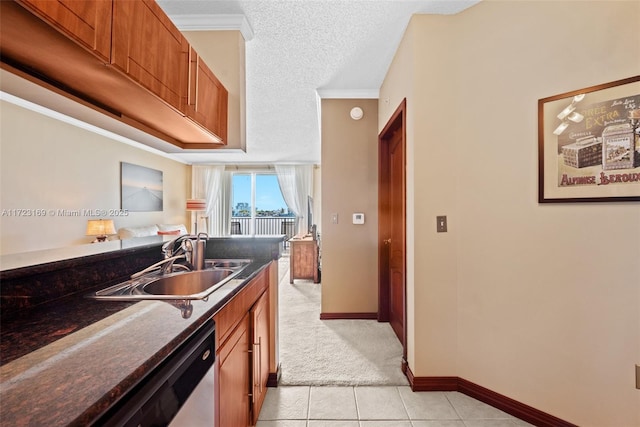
(141,188)
(589,144)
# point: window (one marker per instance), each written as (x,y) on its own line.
(258,207)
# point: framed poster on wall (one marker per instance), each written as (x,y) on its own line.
(589,144)
(141,188)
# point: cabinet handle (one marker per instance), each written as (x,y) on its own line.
(256,367)
(260,363)
(257,364)
(193,78)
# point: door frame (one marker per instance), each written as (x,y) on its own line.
(397,123)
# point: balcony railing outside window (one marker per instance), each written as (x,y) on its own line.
(264,225)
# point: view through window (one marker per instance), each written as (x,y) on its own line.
(258,207)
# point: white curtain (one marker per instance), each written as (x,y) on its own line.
(220,224)
(212,183)
(296,184)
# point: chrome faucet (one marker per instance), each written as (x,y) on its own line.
(172,248)
(199,249)
(165,266)
(182,247)
(194,252)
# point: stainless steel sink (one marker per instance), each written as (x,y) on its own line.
(224,263)
(182,285)
(190,283)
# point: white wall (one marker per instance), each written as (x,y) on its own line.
(51,165)
(540,303)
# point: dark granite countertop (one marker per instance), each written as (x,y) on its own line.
(67,361)
(103,349)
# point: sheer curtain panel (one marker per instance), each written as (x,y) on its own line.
(211,183)
(296,184)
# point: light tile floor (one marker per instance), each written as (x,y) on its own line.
(386,406)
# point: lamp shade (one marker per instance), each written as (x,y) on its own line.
(196,205)
(100,227)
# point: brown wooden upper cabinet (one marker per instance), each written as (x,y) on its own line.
(87,22)
(207,99)
(124,58)
(150,49)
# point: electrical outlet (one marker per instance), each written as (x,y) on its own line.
(441,224)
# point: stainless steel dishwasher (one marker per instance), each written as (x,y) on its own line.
(179,390)
(199,408)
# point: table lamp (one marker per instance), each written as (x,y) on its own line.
(196,205)
(100,228)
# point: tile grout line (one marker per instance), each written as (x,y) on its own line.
(404,404)
(446,395)
(355,399)
(308,405)
(406,411)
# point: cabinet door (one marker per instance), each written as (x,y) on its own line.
(150,49)
(233,378)
(207,99)
(304,263)
(86,22)
(260,353)
(308,256)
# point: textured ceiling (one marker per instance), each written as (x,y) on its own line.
(338,48)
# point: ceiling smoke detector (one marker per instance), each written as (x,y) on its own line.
(356,113)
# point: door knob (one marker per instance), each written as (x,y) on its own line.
(386,241)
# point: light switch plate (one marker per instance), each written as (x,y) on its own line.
(441,224)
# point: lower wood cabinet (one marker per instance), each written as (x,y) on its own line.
(242,354)
(304,259)
(260,354)
(233,378)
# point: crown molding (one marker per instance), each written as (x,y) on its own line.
(348,93)
(214,22)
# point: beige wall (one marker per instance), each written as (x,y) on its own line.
(51,165)
(349,185)
(224,54)
(538,302)
(317,197)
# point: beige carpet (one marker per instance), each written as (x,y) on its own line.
(331,352)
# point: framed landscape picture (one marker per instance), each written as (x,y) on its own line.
(141,188)
(589,144)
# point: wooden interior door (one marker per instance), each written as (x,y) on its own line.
(392,225)
(397,236)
